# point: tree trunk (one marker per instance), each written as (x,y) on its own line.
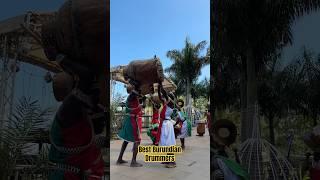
(251,93)
(271,129)
(219,113)
(188,99)
(253,128)
(243,100)
(187,92)
(314,118)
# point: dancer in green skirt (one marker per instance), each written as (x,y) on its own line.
(132,124)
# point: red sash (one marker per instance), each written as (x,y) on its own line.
(155,116)
(91,158)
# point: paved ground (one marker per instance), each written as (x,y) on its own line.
(192,164)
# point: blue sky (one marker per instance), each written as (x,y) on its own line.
(141,29)
(305,32)
(29,80)
(17,7)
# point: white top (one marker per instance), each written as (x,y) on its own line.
(167,137)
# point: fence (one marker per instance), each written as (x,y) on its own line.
(117,120)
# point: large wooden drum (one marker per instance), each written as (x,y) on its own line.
(201,128)
(177,129)
(146,72)
(79,31)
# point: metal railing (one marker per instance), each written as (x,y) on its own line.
(117,120)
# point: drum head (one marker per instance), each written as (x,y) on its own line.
(225,131)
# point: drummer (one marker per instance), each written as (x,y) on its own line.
(182,120)
(75,135)
(165,135)
(153,130)
(131,130)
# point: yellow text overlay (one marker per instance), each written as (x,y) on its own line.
(159,158)
(159,153)
(160,149)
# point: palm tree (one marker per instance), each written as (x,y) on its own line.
(249,32)
(187,65)
(24,127)
(273,95)
(180,91)
(306,86)
(253,30)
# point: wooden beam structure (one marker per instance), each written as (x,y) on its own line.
(27,28)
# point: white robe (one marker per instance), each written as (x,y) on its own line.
(167,137)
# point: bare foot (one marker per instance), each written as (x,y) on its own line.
(135,164)
(121,162)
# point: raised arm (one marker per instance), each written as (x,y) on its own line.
(164,92)
(161,92)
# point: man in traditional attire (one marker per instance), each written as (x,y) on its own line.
(224,134)
(153,130)
(76,39)
(166,136)
(183,122)
(75,148)
(132,125)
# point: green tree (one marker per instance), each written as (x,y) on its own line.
(180,91)
(251,31)
(117,101)
(273,95)
(187,65)
(24,126)
(306,86)
(200,89)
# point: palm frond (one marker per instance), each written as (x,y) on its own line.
(200,46)
(174,55)
(21,129)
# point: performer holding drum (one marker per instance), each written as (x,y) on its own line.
(139,85)
(166,136)
(75,147)
(153,130)
(132,124)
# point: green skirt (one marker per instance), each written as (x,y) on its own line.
(131,128)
